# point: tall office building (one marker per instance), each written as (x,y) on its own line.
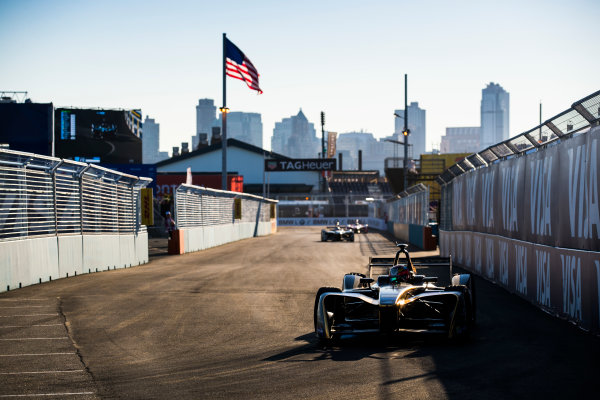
(296,137)
(375,153)
(243,126)
(206,114)
(461,140)
(416,125)
(151,142)
(494,115)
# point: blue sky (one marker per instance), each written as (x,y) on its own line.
(347,58)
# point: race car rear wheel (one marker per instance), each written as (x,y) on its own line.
(317,298)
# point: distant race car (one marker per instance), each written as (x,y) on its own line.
(357,227)
(337,232)
(399,301)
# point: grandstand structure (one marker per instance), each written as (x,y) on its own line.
(359,183)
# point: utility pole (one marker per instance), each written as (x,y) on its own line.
(405,132)
(322,149)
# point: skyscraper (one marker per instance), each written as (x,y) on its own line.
(494,115)
(206,114)
(416,125)
(461,140)
(295,137)
(150,143)
(246,127)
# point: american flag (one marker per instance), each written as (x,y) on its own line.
(238,66)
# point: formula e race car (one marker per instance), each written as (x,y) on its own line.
(398,301)
(337,232)
(357,227)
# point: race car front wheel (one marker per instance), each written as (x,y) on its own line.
(317,298)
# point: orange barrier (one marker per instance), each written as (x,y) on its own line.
(176,242)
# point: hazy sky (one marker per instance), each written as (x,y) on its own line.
(347,58)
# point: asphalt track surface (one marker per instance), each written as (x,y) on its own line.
(236,322)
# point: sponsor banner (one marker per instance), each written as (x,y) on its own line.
(579,192)
(564,282)
(375,223)
(147,208)
(331,142)
(302,164)
(411,209)
(549,197)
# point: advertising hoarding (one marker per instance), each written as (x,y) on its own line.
(99,136)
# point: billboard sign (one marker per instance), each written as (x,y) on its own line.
(104,136)
(147,206)
(302,164)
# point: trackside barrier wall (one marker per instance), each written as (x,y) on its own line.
(530,221)
(408,217)
(60,218)
(210,217)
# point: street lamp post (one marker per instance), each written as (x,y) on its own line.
(322,178)
(405,132)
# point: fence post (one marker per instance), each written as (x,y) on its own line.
(53,173)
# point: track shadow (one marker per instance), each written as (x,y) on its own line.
(358,347)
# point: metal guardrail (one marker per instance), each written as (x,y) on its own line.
(582,114)
(42,195)
(198,206)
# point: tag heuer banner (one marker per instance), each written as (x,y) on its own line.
(302,164)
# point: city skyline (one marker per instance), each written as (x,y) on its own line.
(346,59)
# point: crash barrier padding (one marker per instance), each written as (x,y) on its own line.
(176,243)
(563,282)
(29,261)
(550,196)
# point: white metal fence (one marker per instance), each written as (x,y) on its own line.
(60,218)
(41,196)
(198,206)
(208,217)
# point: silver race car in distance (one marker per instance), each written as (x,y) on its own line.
(399,301)
(358,227)
(337,232)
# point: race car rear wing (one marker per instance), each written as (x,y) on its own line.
(383,264)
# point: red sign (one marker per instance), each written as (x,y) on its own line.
(167,183)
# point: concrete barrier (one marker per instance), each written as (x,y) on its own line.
(564,282)
(29,261)
(205,237)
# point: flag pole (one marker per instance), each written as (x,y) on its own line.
(224,122)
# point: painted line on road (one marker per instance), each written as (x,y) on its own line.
(46,394)
(42,372)
(36,355)
(26,315)
(39,338)
(28,326)
(25,299)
